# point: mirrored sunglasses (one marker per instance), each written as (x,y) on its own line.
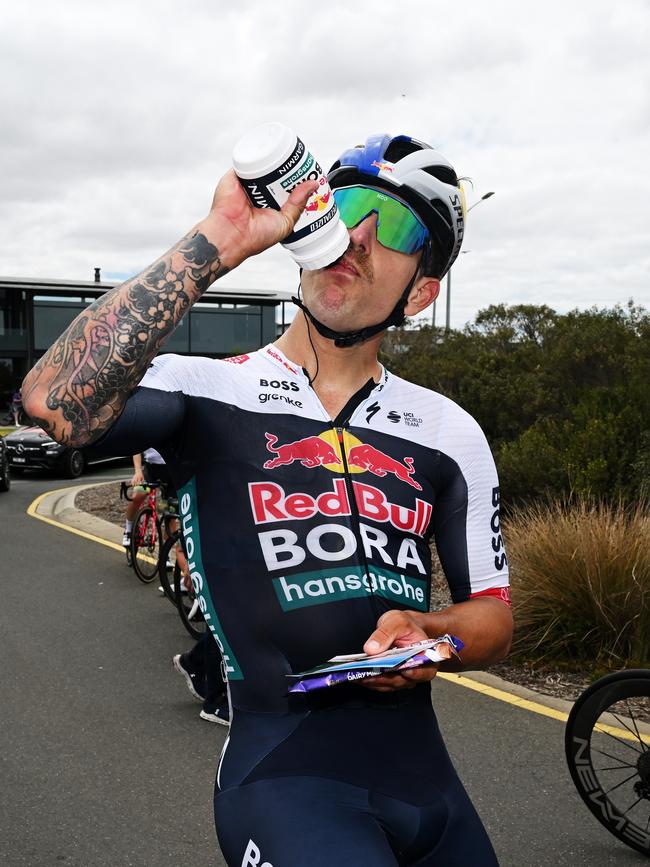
(398,227)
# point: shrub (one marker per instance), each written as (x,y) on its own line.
(581,583)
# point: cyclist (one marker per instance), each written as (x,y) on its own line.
(202,669)
(153,470)
(308,519)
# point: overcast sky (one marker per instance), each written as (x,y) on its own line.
(119,118)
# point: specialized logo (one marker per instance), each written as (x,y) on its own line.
(237,359)
(324,450)
(371,410)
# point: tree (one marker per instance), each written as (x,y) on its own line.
(563,399)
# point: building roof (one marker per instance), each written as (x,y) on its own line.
(215,293)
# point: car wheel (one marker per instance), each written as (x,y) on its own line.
(73,464)
(5,481)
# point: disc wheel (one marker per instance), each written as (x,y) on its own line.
(607,745)
(145,544)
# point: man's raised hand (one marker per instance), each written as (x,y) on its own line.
(240,230)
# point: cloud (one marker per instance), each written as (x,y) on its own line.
(118,119)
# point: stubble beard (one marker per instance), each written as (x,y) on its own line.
(339,300)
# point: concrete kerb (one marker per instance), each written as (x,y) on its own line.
(59,506)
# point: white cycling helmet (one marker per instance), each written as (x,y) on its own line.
(423,178)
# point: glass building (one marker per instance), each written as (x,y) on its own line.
(33,313)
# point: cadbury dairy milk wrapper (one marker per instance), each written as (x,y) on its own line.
(355,667)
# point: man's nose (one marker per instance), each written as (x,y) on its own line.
(364,233)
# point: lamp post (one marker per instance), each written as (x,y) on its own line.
(448,310)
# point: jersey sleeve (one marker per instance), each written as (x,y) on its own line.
(467,526)
(154,414)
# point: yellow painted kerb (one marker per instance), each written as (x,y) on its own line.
(461,680)
(502,695)
(33,513)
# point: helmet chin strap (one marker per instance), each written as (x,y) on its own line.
(349,338)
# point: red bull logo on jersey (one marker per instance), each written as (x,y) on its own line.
(310,452)
(324,451)
(271,503)
(369,458)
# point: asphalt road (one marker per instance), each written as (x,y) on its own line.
(105,761)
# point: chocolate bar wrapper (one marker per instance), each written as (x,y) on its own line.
(422,653)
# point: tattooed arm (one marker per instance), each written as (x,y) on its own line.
(78,388)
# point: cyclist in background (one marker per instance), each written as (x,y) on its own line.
(148,466)
(202,668)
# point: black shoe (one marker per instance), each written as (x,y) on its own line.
(194,683)
(219,714)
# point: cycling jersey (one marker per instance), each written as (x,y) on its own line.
(300,532)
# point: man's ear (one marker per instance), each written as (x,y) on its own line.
(424,292)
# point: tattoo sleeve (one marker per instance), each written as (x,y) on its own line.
(83,381)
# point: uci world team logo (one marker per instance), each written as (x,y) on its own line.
(324,450)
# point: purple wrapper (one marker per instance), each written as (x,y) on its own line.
(308,684)
(333,678)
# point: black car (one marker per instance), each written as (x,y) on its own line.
(5,482)
(30,448)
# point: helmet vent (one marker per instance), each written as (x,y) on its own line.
(401,147)
(444,173)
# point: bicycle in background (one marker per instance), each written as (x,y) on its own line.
(176,583)
(156,519)
(607,745)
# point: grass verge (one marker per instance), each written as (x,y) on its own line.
(581,584)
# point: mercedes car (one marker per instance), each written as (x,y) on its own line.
(30,448)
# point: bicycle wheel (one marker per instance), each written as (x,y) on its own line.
(607,745)
(188,608)
(145,543)
(168,569)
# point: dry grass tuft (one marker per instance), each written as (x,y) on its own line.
(581,583)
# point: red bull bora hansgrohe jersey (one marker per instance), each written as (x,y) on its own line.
(301,530)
